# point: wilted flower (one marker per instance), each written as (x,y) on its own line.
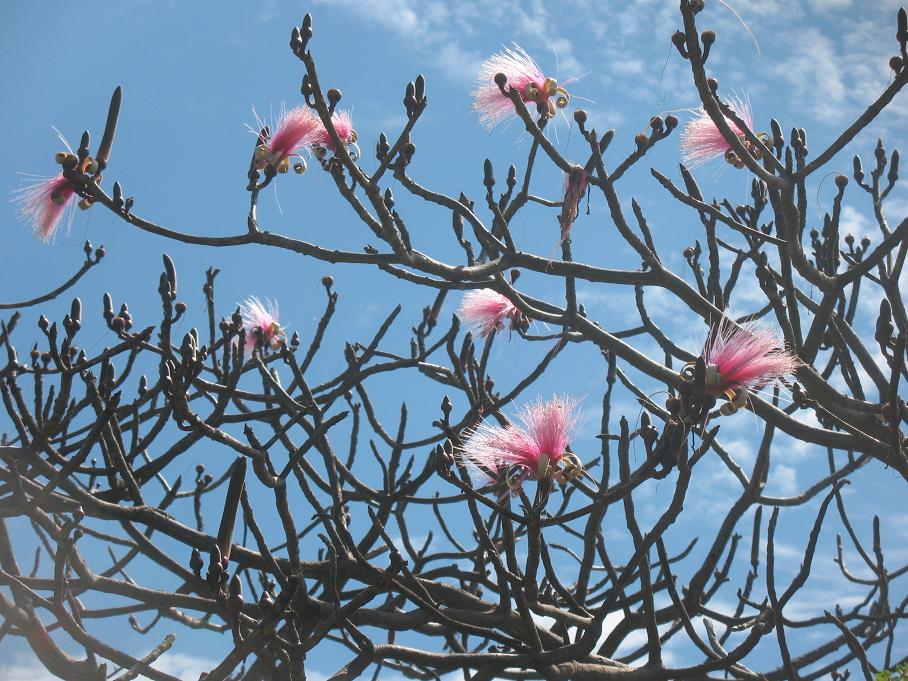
(44,203)
(486,311)
(575,185)
(739,359)
(343,125)
(260,321)
(537,449)
(701,140)
(524,75)
(297,129)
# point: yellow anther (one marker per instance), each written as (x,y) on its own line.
(571,468)
(737,399)
(563,98)
(261,157)
(727,409)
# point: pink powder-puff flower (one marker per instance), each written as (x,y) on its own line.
(535,449)
(701,140)
(575,185)
(487,311)
(524,75)
(742,358)
(260,322)
(343,125)
(296,129)
(44,203)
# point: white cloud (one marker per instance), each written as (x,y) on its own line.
(458,63)
(184,666)
(25,669)
(853,222)
(180,665)
(784,478)
(399,16)
(742,450)
(444,30)
(812,67)
(829,5)
(811,603)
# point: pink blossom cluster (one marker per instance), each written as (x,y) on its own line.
(300,129)
(260,322)
(523,75)
(701,140)
(44,203)
(487,311)
(742,358)
(536,449)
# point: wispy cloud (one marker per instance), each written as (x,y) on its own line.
(450,32)
(823,73)
(180,665)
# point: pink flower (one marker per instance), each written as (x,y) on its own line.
(742,359)
(701,140)
(532,450)
(575,185)
(343,125)
(44,203)
(486,311)
(524,75)
(260,321)
(296,129)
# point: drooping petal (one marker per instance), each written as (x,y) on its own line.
(575,185)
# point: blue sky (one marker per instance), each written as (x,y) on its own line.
(193,71)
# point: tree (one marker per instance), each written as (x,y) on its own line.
(516,575)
